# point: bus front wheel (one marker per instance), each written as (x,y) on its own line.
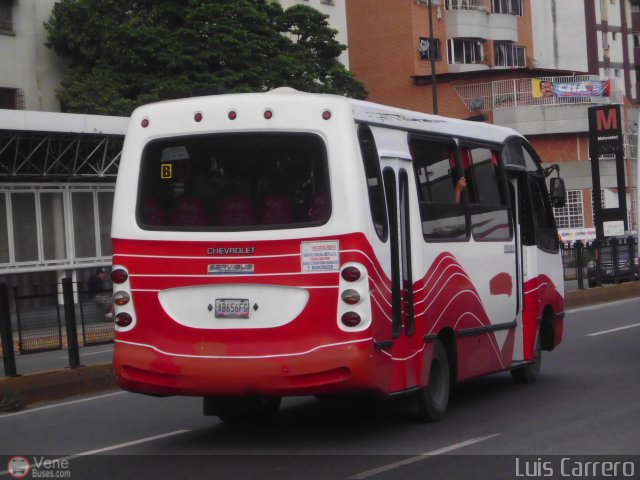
(434,398)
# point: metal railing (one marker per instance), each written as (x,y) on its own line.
(484,5)
(518,93)
(42,323)
(6,17)
(596,263)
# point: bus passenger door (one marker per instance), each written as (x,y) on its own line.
(396,182)
(490,259)
(538,247)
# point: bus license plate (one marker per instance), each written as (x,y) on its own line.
(232,308)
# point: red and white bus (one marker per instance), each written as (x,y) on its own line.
(285,243)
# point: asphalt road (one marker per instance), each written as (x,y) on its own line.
(587,402)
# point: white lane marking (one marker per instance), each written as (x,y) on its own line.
(419,458)
(613,330)
(127,444)
(72,402)
(116,447)
(89,353)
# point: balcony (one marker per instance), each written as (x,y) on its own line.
(513,104)
(480,23)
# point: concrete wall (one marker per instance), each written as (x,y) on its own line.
(559,34)
(26,63)
(544,120)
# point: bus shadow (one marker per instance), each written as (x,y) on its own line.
(305,425)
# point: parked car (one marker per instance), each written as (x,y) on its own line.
(626,270)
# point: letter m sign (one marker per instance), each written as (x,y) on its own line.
(606,119)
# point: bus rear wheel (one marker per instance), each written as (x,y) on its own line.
(434,398)
(242,409)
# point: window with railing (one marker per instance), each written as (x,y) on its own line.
(465,5)
(465,50)
(571,215)
(506,54)
(6,16)
(34,224)
(429,49)
(12,98)
(510,7)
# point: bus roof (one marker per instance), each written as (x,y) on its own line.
(409,120)
(362,111)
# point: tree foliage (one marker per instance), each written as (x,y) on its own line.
(124,53)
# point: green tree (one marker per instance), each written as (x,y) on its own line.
(124,53)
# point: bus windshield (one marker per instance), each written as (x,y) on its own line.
(233,181)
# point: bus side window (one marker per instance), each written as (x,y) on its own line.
(544,222)
(436,171)
(374,181)
(490,216)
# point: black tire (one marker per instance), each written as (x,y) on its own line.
(434,398)
(530,372)
(242,409)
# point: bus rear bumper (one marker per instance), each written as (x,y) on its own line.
(333,369)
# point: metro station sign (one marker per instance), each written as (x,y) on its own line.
(605,129)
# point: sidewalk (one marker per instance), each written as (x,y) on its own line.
(18,392)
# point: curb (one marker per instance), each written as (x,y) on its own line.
(600,295)
(18,392)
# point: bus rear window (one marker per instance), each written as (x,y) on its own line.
(233,181)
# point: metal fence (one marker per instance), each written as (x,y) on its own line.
(65,317)
(518,92)
(38,320)
(96,317)
(595,263)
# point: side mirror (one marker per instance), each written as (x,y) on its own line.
(557,192)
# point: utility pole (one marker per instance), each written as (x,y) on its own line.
(432,55)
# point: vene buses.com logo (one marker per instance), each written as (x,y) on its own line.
(18,467)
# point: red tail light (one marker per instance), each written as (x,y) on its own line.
(350,274)
(119,275)
(123,319)
(197,117)
(351,319)
(268,114)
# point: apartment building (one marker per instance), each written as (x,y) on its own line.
(30,72)
(487,57)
